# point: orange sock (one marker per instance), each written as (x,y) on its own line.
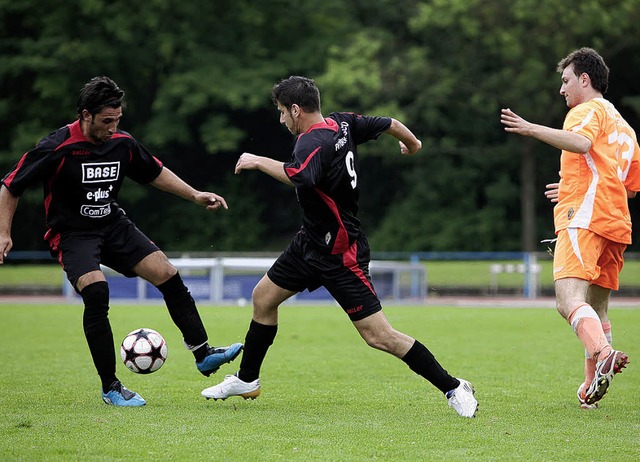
(587,326)
(590,363)
(589,370)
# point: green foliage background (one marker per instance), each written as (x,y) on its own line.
(198,76)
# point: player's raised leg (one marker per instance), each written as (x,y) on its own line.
(598,297)
(157,269)
(571,295)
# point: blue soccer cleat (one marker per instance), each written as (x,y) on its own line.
(217,357)
(118,395)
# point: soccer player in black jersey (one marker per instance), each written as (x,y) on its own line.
(330,249)
(81,168)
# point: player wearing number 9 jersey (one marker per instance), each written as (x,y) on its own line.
(324,171)
(330,249)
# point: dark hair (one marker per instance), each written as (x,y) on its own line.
(587,60)
(98,93)
(297,90)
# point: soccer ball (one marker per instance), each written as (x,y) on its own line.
(143,351)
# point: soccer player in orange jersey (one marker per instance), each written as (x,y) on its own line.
(599,171)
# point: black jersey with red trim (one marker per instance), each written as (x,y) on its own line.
(325,172)
(80,179)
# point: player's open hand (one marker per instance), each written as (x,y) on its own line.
(514,123)
(552,191)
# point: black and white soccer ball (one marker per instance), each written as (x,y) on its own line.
(143,351)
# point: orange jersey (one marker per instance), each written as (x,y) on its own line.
(593,186)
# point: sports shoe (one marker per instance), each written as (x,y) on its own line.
(605,370)
(462,400)
(118,395)
(581,399)
(233,386)
(217,357)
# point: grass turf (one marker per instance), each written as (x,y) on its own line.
(326,395)
(452,273)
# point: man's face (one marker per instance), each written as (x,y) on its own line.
(287,119)
(100,127)
(572,86)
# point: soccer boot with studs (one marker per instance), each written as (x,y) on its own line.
(462,399)
(605,370)
(233,386)
(118,395)
(217,357)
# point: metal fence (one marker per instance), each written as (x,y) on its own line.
(232,279)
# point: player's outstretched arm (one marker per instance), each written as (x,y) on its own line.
(409,144)
(172,183)
(8,205)
(271,167)
(561,139)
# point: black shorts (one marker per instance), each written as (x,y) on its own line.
(345,276)
(119,245)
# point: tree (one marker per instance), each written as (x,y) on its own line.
(198,77)
(458,63)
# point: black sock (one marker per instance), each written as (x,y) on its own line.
(97,331)
(258,340)
(183,311)
(201,352)
(421,361)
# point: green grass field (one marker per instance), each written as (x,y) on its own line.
(439,273)
(326,396)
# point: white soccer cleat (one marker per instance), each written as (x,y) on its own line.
(233,386)
(605,370)
(581,399)
(462,399)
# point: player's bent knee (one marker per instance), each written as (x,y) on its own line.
(155,268)
(374,343)
(567,308)
(88,279)
(377,341)
(263,306)
(267,296)
(95,294)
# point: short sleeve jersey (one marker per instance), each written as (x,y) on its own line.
(81,180)
(593,186)
(325,172)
